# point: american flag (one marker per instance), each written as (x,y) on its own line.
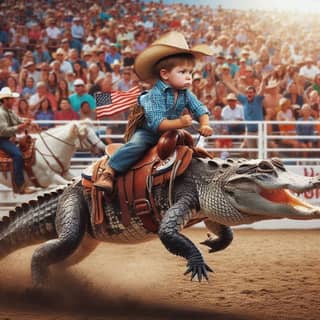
(112,103)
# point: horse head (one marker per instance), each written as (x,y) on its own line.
(88,138)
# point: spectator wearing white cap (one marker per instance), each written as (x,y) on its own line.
(309,70)
(233,111)
(90,44)
(77,32)
(14,63)
(80,96)
(60,56)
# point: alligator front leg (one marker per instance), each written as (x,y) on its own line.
(173,221)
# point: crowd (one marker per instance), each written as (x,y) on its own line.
(58,54)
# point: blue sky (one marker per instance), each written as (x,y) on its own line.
(295,5)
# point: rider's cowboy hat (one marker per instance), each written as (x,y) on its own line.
(169,44)
(6,92)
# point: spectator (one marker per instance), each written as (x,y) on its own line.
(52,83)
(14,63)
(44,112)
(79,71)
(309,70)
(41,93)
(293,94)
(77,32)
(101,63)
(86,112)
(113,55)
(116,75)
(31,71)
(285,114)
(81,95)
(306,129)
(125,83)
(233,112)
(252,109)
(60,56)
(23,109)
(29,88)
(62,91)
(65,111)
(41,54)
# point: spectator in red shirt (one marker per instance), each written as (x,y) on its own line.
(65,112)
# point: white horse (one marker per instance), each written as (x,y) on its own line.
(54,150)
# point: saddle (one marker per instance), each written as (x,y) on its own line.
(27,146)
(161,164)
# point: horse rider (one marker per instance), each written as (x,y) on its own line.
(10,124)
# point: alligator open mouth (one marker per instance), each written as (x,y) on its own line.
(284,196)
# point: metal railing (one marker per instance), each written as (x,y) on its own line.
(238,147)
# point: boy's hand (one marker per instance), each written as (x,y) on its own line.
(186,120)
(205,130)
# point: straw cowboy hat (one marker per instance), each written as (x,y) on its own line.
(6,92)
(169,44)
(272,84)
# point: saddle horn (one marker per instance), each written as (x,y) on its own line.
(170,139)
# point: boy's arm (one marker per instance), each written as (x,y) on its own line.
(180,123)
(205,129)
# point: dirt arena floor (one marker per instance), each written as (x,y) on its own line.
(262,275)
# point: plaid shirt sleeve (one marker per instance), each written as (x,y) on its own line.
(154,109)
(196,107)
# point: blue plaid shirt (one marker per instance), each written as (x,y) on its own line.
(158,105)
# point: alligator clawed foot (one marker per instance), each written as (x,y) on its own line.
(42,295)
(198,268)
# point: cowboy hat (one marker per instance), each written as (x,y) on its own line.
(272,84)
(169,44)
(58,52)
(231,96)
(6,92)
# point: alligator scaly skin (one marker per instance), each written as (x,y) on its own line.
(30,223)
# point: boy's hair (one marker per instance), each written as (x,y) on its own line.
(168,63)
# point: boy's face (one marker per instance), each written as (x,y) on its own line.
(180,77)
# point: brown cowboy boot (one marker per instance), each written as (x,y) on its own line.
(25,190)
(105,180)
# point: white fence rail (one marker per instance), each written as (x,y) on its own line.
(294,158)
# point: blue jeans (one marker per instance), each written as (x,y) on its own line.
(14,152)
(131,152)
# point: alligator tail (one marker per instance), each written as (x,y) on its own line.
(29,223)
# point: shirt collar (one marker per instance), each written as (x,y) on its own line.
(161,85)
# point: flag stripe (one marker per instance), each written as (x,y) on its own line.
(120,101)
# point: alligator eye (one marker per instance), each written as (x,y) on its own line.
(278,163)
(265,166)
(247,169)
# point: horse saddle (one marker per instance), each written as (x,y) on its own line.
(161,164)
(27,146)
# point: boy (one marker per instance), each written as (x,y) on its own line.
(168,63)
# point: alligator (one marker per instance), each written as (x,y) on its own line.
(221,193)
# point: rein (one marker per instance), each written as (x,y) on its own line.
(51,153)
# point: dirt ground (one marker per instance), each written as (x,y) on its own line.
(262,275)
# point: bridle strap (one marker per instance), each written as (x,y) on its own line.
(59,162)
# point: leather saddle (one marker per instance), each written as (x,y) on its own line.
(161,164)
(27,146)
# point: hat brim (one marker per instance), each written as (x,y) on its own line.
(11,95)
(146,60)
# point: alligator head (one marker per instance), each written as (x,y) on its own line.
(254,190)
